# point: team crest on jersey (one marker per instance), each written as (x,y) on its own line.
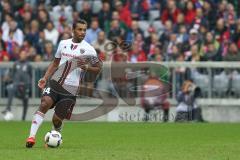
(82,51)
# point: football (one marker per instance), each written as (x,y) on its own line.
(53,139)
(8,116)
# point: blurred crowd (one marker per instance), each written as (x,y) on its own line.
(124,30)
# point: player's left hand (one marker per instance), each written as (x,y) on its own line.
(84,67)
(81,62)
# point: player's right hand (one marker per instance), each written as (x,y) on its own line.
(42,82)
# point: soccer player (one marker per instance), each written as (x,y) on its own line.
(58,93)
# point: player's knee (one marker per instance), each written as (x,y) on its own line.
(64,108)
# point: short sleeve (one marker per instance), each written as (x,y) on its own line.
(94,58)
(59,49)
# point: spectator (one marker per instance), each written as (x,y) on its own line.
(172,42)
(182,35)
(194,56)
(21,80)
(29,49)
(48,51)
(200,19)
(136,55)
(168,29)
(6,9)
(33,34)
(222,8)
(171,12)
(14,34)
(25,8)
(236,34)
(157,55)
(75,16)
(133,31)
(41,43)
(154,43)
(102,45)
(42,18)
(104,16)
(20,14)
(51,33)
(187,108)
(4,57)
(119,55)
(179,22)
(86,12)
(92,32)
(230,16)
(149,47)
(233,53)
(139,41)
(62,10)
(221,30)
(209,13)
(124,13)
(175,54)
(139,9)
(194,39)
(62,23)
(115,16)
(225,46)
(64,36)
(6,23)
(101,55)
(3,53)
(211,48)
(67,33)
(203,31)
(115,31)
(190,12)
(211,53)
(25,22)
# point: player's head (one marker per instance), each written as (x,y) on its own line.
(79,30)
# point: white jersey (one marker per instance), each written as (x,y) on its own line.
(69,51)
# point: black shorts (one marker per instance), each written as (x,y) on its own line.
(63,100)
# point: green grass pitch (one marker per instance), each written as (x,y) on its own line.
(125,141)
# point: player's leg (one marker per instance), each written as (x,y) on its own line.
(46,103)
(57,123)
(63,110)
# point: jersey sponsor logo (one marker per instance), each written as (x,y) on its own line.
(69,55)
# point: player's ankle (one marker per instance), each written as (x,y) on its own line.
(59,129)
(31,136)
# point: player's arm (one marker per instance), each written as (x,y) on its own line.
(51,69)
(96,68)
